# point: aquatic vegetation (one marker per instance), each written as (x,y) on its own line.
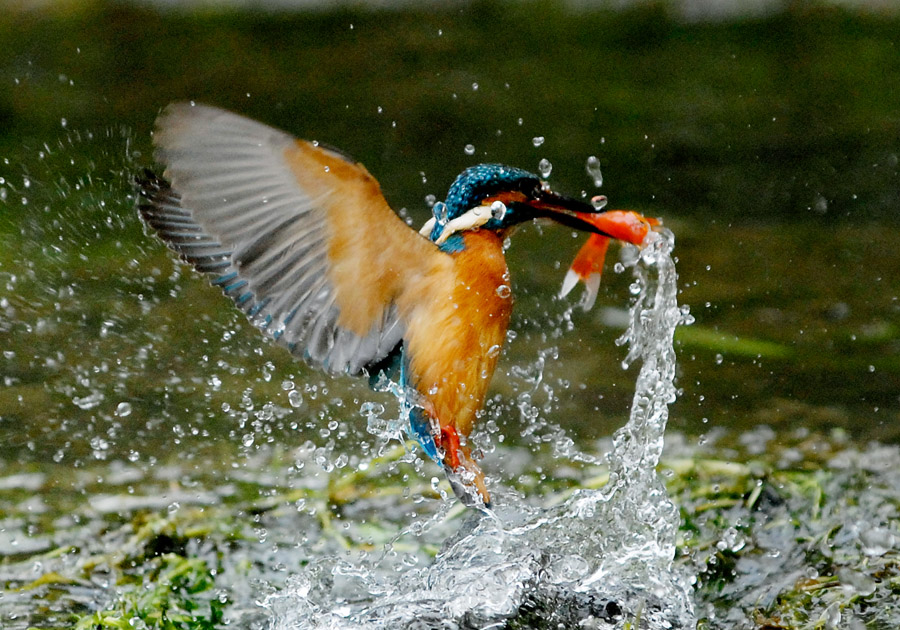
(779,532)
(169,599)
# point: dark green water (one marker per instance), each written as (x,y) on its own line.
(769,147)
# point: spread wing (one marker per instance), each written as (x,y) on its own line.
(298,236)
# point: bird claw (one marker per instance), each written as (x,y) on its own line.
(469,488)
(465,476)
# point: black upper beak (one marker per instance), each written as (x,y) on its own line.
(564,210)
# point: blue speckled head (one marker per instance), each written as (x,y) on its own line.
(523,194)
(477,183)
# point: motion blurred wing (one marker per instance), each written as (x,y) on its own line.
(299,237)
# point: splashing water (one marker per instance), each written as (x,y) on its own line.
(600,559)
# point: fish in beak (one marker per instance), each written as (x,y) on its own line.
(623,225)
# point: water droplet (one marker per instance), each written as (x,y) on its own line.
(545,167)
(99,444)
(371,409)
(295,398)
(832,616)
(593,169)
(504,291)
(248,439)
(441,211)
(88,402)
(856,583)
(877,541)
(498,210)
(469,149)
(599,202)
(429,200)
(123,409)
(474,87)
(537,141)
(719,359)
(493,351)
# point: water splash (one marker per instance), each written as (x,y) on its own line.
(600,559)
(638,539)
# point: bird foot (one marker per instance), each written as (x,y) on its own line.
(465,476)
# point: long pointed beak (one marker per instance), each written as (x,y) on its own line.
(562,209)
(623,225)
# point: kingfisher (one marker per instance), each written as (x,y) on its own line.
(301,238)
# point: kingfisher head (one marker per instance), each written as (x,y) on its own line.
(498,197)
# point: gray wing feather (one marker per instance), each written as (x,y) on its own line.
(235,211)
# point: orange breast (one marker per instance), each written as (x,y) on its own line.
(454,337)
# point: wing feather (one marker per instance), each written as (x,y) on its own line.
(297,235)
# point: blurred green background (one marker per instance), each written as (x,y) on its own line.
(769,144)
